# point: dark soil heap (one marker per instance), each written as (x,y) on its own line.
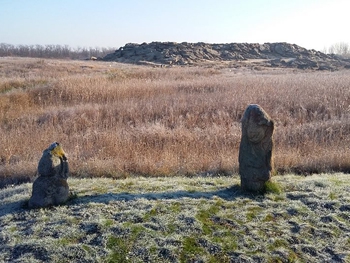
(268,55)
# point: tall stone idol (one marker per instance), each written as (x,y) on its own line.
(256,149)
(51,187)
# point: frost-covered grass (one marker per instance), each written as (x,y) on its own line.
(181,219)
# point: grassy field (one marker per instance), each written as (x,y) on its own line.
(153,154)
(117,120)
(181,219)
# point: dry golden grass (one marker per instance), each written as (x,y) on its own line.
(115,120)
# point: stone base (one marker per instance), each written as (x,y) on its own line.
(257,186)
(49,191)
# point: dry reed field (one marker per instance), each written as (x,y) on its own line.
(117,120)
(170,136)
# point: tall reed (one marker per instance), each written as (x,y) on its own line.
(116,120)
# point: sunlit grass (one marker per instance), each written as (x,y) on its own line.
(156,219)
(119,120)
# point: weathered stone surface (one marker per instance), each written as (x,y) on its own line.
(49,191)
(51,187)
(273,55)
(256,149)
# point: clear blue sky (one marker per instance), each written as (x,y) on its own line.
(313,24)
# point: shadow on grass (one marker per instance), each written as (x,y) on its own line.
(229,194)
(12,207)
(13,199)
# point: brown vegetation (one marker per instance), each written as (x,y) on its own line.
(115,120)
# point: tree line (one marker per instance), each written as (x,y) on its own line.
(342,49)
(52,51)
(67,52)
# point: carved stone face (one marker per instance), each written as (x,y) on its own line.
(257,124)
(52,162)
(57,150)
(255,131)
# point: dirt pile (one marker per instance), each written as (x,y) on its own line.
(268,54)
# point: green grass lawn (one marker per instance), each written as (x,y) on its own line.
(179,219)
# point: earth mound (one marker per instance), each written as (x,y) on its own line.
(268,55)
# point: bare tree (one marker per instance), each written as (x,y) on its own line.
(53,51)
(341,49)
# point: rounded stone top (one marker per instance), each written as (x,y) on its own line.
(56,149)
(52,161)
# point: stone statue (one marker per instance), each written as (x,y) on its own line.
(256,149)
(51,187)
